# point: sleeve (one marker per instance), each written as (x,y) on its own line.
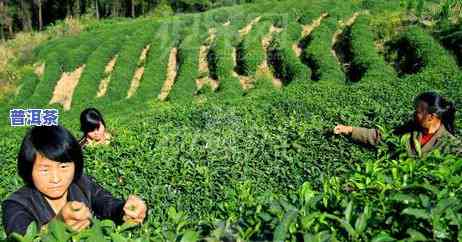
(366,136)
(15,218)
(458,151)
(103,204)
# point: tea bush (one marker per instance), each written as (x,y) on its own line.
(222,63)
(127,62)
(285,63)
(251,50)
(185,84)
(265,166)
(89,82)
(365,54)
(27,87)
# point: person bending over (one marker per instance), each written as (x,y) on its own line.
(432,127)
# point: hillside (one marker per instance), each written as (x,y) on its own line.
(222,121)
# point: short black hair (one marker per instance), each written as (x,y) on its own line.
(53,142)
(90,119)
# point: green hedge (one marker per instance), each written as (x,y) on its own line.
(254,153)
(155,72)
(432,53)
(365,54)
(44,90)
(127,62)
(450,36)
(188,58)
(319,56)
(267,167)
(69,42)
(88,85)
(221,63)
(78,56)
(251,50)
(438,68)
(287,66)
(27,87)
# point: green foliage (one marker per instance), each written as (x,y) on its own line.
(450,36)
(318,54)
(366,58)
(127,62)
(416,51)
(27,88)
(222,64)
(78,56)
(163,9)
(287,66)
(44,90)
(251,50)
(434,55)
(57,231)
(188,55)
(157,61)
(379,200)
(89,82)
(266,166)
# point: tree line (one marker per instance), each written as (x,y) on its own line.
(28,15)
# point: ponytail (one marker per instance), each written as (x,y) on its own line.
(440,106)
(448,117)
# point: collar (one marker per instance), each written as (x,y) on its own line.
(432,143)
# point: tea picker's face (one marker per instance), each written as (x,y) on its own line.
(52,178)
(97,134)
(422,116)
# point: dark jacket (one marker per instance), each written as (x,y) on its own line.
(27,205)
(442,140)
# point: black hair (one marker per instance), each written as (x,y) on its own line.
(441,107)
(53,142)
(90,119)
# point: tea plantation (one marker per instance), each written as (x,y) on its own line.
(227,132)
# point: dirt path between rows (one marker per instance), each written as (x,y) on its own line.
(244,31)
(139,72)
(65,87)
(39,70)
(172,69)
(104,83)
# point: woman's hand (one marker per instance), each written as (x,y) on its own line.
(342,129)
(134,209)
(76,215)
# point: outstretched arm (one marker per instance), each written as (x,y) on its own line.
(359,134)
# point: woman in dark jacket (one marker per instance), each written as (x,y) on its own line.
(50,162)
(432,128)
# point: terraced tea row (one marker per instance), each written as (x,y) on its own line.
(177,59)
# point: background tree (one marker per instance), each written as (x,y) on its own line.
(39,4)
(26,15)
